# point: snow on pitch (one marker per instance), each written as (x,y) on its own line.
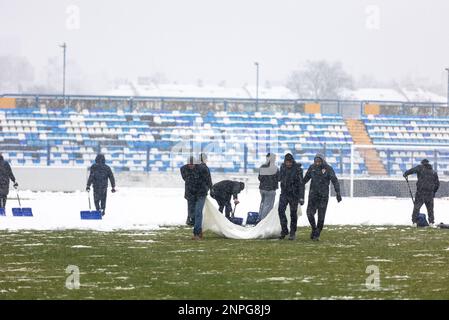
(150,208)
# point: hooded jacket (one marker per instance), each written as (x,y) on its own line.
(292,181)
(321,177)
(428,182)
(5,176)
(204,183)
(190,175)
(100,172)
(268,182)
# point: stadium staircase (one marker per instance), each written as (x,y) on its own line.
(360,136)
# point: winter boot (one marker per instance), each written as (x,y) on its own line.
(292,237)
(316,235)
(312,234)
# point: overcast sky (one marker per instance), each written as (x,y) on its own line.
(217,40)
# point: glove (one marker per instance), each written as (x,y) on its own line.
(236,201)
(88,189)
(301,202)
(113,190)
(338,197)
(15,184)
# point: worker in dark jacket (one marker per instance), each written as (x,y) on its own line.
(269,183)
(100,172)
(426,187)
(292,193)
(321,175)
(204,184)
(222,193)
(189,173)
(6,175)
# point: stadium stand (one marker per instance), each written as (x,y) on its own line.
(156,135)
(144,141)
(410,131)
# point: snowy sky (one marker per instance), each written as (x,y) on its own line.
(217,40)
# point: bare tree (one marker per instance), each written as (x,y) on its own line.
(15,73)
(319,80)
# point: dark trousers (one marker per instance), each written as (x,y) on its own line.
(292,201)
(100,198)
(419,201)
(317,203)
(3,201)
(191,203)
(224,203)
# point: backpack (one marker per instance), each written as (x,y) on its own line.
(422,220)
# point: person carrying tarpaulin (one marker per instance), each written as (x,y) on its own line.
(292,193)
(321,174)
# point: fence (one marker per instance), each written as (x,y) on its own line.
(346,108)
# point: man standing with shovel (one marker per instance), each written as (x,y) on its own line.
(5,176)
(426,187)
(100,172)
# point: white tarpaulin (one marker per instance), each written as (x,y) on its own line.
(270,227)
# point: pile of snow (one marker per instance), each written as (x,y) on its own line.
(373,94)
(152,208)
(206,91)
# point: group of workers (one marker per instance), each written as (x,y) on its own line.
(292,184)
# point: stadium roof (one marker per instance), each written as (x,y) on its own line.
(274,92)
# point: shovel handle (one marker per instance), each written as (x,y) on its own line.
(235,206)
(88,197)
(18,198)
(409,189)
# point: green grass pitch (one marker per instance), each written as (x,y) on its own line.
(167,264)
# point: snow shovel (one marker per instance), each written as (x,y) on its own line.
(90,214)
(252,218)
(235,220)
(21,212)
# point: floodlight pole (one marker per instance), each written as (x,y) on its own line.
(447,69)
(64,47)
(257,85)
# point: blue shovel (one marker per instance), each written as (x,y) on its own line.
(21,212)
(91,214)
